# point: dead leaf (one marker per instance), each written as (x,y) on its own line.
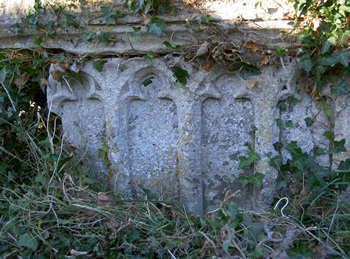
(208,66)
(316,23)
(104,200)
(44,82)
(252,45)
(146,19)
(20,81)
(250,83)
(74,67)
(264,60)
(63,64)
(56,75)
(203,49)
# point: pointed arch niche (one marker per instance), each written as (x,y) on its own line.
(225,126)
(153,139)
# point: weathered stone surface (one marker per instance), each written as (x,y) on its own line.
(183,145)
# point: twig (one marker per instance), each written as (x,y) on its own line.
(9,96)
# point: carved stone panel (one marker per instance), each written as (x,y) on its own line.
(153,138)
(225,126)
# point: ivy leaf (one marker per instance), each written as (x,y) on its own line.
(156,26)
(181,75)
(147,81)
(99,64)
(103,38)
(247,161)
(134,235)
(331,41)
(3,74)
(338,146)
(137,32)
(110,16)
(280,52)
(243,180)
(302,252)
(340,89)
(247,69)
(171,45)
(307,64)
(343,38)
(206,18)
(276,162)
(70,21)
(180,85)
(328,134)
(38,41)
(279,122)
(277,146)
(342,58)
(148,57)
(257,253)
(289,124)
(256,179)
(27,240)
(308,122)
(252,132)
(89,37)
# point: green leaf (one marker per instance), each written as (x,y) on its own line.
(328,134)
(137,32)
(340,89)
(171,45)
(277,146)
(216,224)
(245,162)
(38,41)
(276,162)
(299,164)
(247,69)
(3,74)
(306,64)
(134,235)
(70,21)
(343,37)
(243,180)
(109,15)
(279,122)
(338,146)
(289,124)
(103,38)
(256,254)
(181,74)
(256,179)
(308,122)
(280,52)
(206,18)
(149,57)
(40,178)
(28,241)
(89,37)
(147,81)
(252,132)
(99,64)
(179,85)
(331,41)
(302,252)
(342,57)
(156,26)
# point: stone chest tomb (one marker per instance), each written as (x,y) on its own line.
(184,144)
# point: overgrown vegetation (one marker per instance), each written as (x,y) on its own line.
(49,207)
